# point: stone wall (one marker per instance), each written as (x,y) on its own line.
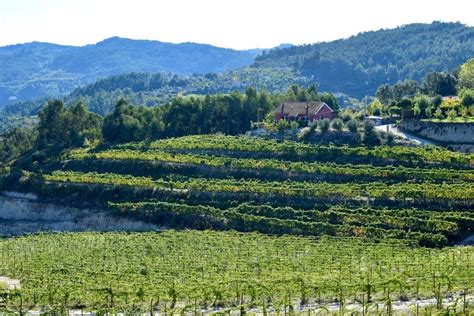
(461,133)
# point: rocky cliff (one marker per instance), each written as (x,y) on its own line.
(21,214)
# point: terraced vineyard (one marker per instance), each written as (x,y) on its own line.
(369,221)
(249,184)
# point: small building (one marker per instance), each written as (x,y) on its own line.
(451,97)
(378,120)
(303,111)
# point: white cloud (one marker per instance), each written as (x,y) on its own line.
(227,23)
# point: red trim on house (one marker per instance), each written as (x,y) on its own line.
(323,112)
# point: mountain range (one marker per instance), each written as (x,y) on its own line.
(355,66)
(40,69)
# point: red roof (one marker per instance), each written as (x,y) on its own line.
(300,108)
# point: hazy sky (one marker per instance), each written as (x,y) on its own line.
(227,23)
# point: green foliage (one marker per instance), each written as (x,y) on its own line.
(8,123)
(361,172)
(390,139)
(152,90)
(402,89)
(420,105)
(376,205)
(62,127)
(370,137)
(466,75)
(406,104)
(337,124)
(452,114)
(375,108)
(439,83)
(436,84)
(467,98)
(352,125)
(395,110)
(428,112)
(330,100)
(294,126)
(129,123)
(401,155)
(229,114)
(324,125)
(15,143)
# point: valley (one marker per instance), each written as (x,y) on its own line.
(166,176)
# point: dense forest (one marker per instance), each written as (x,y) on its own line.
(359,64)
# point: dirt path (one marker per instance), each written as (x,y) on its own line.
(398,132)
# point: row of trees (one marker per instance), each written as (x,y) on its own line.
(226,113)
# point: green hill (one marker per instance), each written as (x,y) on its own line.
(359,64)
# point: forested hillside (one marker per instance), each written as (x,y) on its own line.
(41,69)
(359,64)
(355,66)
(153,89)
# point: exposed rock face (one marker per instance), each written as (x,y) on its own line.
(460,133)
(20,216)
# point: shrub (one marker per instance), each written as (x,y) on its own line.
(421,104)
(452,114)
(282,125)
(467,98)
(390,139)
(352,125)
(371,136)
(428,112)
(324,125)
(294,128)
(395,110)
(337,124)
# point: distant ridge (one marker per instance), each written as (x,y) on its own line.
(41,69)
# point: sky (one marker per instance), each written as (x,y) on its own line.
(239,24)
